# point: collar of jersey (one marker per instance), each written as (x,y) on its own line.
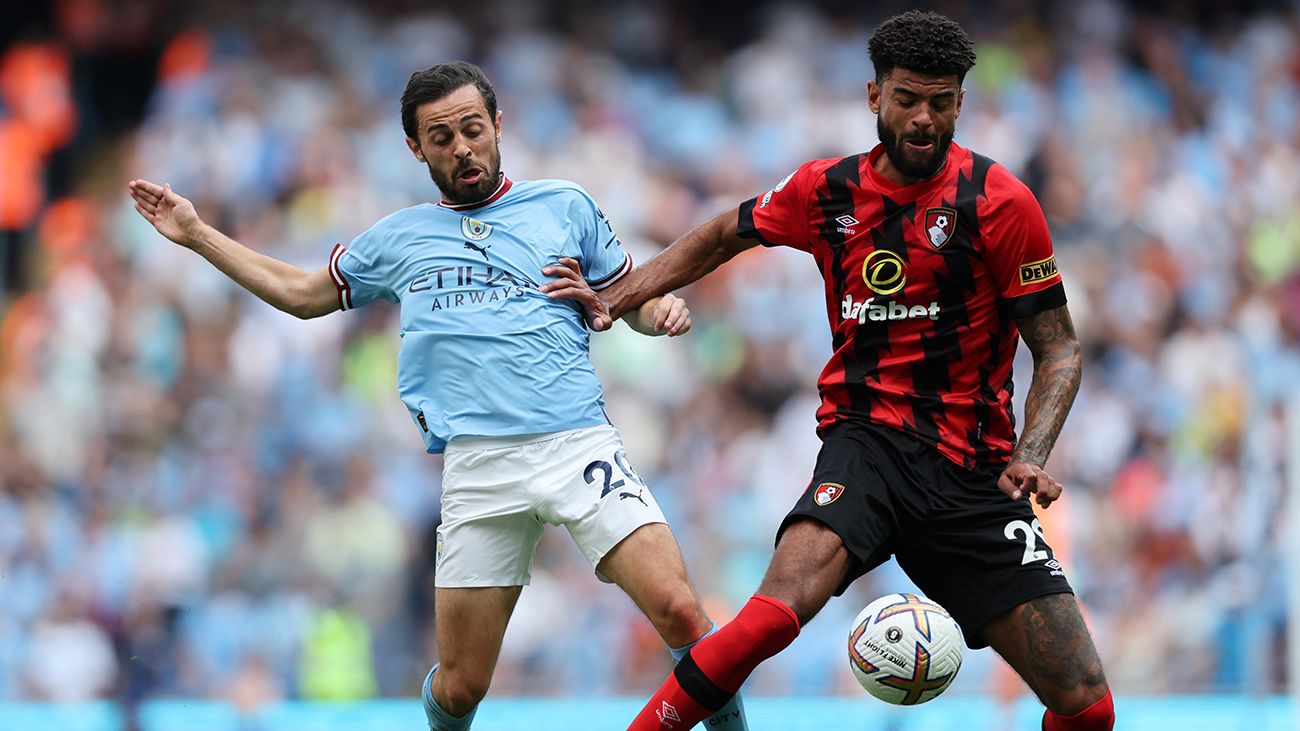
(502,187)
(885,183)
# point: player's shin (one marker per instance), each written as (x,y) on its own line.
(710,674)
(439,719)
(732,714)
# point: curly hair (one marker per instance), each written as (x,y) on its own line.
(924,42)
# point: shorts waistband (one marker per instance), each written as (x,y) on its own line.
(509,441)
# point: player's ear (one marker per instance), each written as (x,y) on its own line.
(415,149)
(497,123)
(873,96)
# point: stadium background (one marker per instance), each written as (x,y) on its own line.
(213,515)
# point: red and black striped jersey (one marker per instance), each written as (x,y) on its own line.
(924,284)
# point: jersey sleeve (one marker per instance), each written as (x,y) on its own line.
(1019,252)
(779,217)
(359,273)
(604,260)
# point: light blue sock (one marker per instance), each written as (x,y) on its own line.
(730,717)
(440,720)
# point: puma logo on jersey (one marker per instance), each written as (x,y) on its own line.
(480,249)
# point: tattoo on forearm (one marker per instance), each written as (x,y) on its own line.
(1060,651)
(1058,369)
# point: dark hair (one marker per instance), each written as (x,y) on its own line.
(438,81)
(924,42)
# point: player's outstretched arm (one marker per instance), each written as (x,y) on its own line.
(1058,369)
(284,286)
(666,315)
(698,252)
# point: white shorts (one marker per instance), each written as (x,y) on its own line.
(498,492)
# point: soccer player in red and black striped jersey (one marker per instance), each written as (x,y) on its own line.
(936,260)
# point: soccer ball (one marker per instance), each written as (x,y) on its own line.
(905,649)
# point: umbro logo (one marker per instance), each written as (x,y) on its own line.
(668,715)
(847,223)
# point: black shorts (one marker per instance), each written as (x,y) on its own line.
(966,544)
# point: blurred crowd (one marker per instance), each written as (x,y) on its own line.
(203,497)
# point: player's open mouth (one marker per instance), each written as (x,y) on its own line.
(920,144)
(471,176)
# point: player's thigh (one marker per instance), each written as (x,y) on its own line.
(810,565)
(977,552)
(1047,643)
(586,483)
(470,624)
(648,566)
(843,525)
(489,531)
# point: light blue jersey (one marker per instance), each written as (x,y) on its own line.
(484,353)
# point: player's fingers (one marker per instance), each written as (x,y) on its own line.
(680,324)
(571,264)
(147,206)
(148,215)
(568,289)
(564,276)
(1009,487)
(144,196)
(147,188)
(601,323)
(1030,482)
(662,311)
(1049,492)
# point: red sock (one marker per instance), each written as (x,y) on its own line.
(1100,716)
(716,668)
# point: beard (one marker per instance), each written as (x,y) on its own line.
(909,162)
(457,191)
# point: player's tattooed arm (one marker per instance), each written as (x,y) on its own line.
(1058,369)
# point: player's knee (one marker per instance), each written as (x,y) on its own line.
(1078,699)
(679,618)
(461,692)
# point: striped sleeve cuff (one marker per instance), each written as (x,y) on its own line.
(340,281)
(603,282)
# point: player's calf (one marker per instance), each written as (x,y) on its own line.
(1047,643)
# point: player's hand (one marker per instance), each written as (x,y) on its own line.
(569,284)
(1021,478)
(671,316)
(172,214)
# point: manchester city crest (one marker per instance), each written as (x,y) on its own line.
(474,229)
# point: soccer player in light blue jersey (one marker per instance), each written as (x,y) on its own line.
(496,375)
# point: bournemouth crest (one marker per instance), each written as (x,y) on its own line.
(474,229)
(940,225)
(827,493)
